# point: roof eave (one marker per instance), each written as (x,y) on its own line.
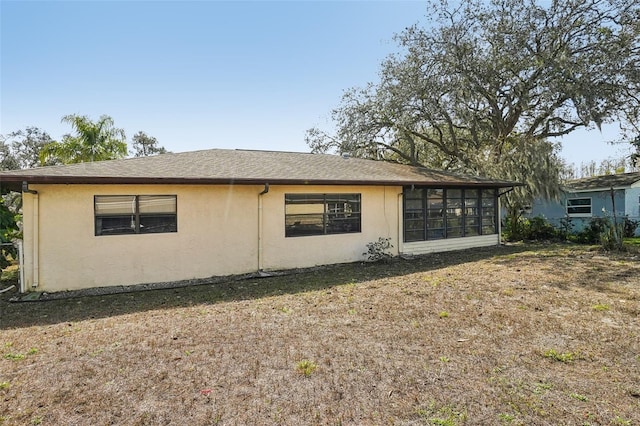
(14,182)
(598,189)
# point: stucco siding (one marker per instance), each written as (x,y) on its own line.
(218,234)
(217,228)
(221,230)
(424,247)
(379,218)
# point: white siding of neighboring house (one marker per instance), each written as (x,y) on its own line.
(424,247)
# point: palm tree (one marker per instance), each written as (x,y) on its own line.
(93,141)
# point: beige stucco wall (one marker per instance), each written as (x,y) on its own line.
(217,228)
(217,235)
(379,210)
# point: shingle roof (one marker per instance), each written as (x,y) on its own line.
(604,182)
(223,166)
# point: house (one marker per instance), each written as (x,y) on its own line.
(586,198)
(220,212)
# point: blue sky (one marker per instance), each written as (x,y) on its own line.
(203,74)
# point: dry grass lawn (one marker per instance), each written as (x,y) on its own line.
(519,335)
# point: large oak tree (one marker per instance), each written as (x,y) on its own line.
(485,86)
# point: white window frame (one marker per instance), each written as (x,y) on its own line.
(590,214)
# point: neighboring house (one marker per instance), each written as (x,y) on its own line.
(217,212)
(583,199)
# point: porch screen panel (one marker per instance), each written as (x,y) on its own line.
(489,212)
(435,214)
(471,212)
(455,213)
(414,226)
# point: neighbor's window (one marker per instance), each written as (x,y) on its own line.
(321,214)
(437,213)
(135,214)
(579,207)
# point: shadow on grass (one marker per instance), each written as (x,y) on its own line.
(25,314)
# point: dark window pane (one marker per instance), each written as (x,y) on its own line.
(412,225)
(454,193)
(471,221)
(150,223)
(454,221)
(488,221)
(454,203)
(488,229)
(471,211)
(435,199)
(435,213)
(413,205)
(114,225)
(435,234)
(414,216)
(435,223)
(338,224)
(488,203)
(454,232)
(471,231)
(304,224)
(579,210)
(413,235)
(471,193)
(413,194)
(579,202)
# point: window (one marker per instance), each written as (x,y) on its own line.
(135,214)
(488,213)
(579,207)
(321,214)
(437,213)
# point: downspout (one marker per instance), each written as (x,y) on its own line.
(260,227)
(36,233)
(400,225)
(21,262)
(500,221)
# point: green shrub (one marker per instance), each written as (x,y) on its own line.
(630,227)
(534,229)
(591,233)
(379,250)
